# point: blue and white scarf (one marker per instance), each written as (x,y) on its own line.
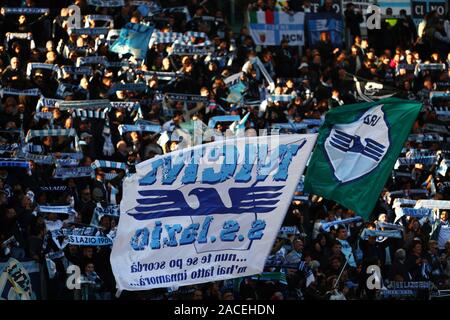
(15,92)
(397,234)
(8,148)
(50,132)
(426,160)
(404,193)
(92,60)
(129,105)
(106,3)
(88,31)
(436,128)
(431,66)
(230,118)
(387,225)
(164,76)
(135,87)
(187,50)
(295,126)
(99,212)
(438,204)
(13,163)
(83,70)
(98,17)
(37,158)
(43,115)
(27,10)
(83,104)
(281,98)
(46,102)
(418,213)
(108,164)
(56,209)
(327,225)
(398,202)
(396,174)
(67,173)
(94,114)
(36,65)
(429,137)
(190,98)
(138,128)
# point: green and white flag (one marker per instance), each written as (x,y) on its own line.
(356,150)
(268,27)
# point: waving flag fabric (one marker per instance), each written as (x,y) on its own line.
(206,213)
(357,148)
(134,38)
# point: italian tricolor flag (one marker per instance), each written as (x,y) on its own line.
(268,28)
(261,25)
(265,17)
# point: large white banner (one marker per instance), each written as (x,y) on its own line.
(206,213)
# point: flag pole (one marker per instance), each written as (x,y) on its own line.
(340,274)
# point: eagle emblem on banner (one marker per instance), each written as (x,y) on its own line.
(355,149)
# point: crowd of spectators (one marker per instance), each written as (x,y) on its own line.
(318,78)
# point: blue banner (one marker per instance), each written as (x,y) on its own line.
(330,23)
(134,39)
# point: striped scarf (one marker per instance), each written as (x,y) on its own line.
(191,98)
(43,115)
(136,87)
(108,164)
(281,98)
(387,225)
(84,104)
(326,226)
(106,3)
(404,193)
(88,31)
(439,204)
(92,60)
(431,66)
(13,163)
(15,92)
(138,128)
(27,10)
(396,174)
(84,70)
(56,209)
(95,114)
(412,212)
(79,172)
(129,105)
(164,76)
(36,65)
(37,158)
(290,126)
(429,137)
(46,102)
(50,132)
(426,160)
(397,234)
